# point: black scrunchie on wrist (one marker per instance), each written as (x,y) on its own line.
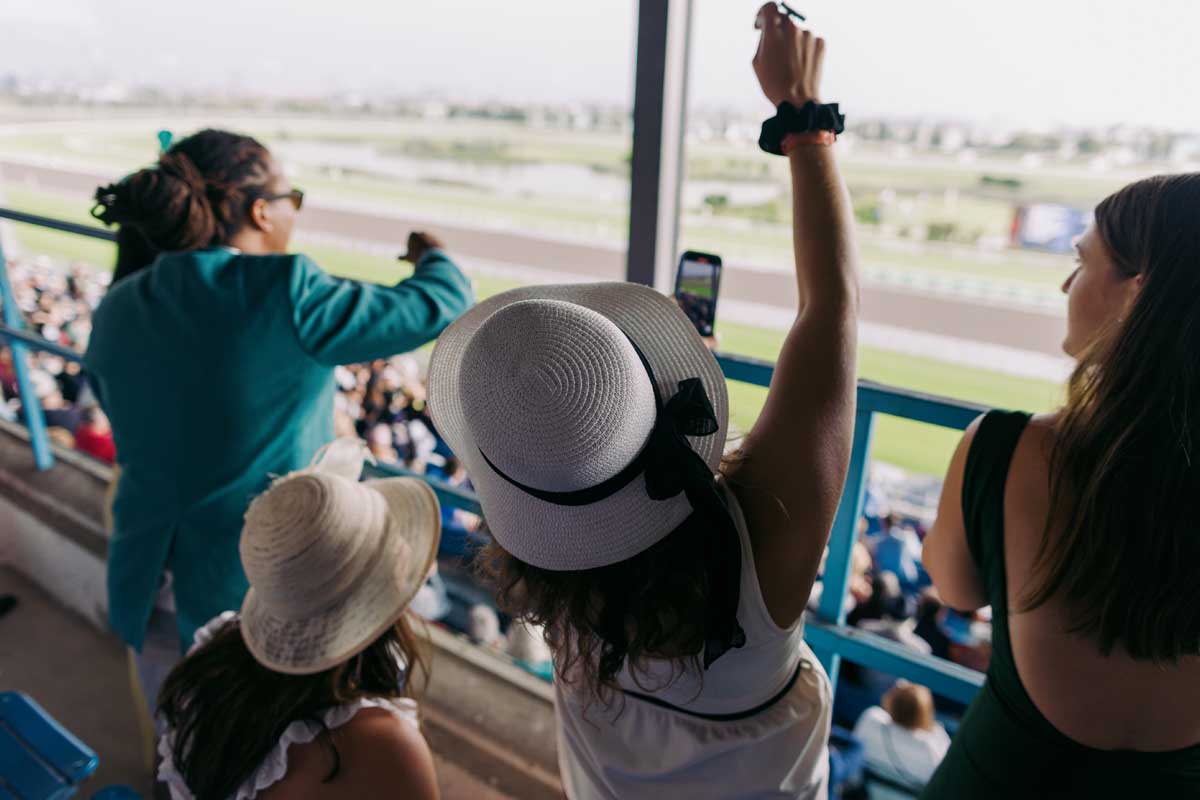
(788,119)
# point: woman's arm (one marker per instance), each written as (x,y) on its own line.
(945,553)
(795,458)
(341,321)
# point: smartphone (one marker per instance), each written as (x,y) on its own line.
(696,285)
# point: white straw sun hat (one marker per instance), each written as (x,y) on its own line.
(332,562)
(545,395)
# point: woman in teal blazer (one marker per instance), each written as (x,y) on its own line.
(214,363)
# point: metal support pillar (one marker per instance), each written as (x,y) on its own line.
(659,114)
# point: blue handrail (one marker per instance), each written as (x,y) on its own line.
(828,635)
(90,231)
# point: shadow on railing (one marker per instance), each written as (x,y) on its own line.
(828,635)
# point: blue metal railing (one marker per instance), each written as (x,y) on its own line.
(828,635)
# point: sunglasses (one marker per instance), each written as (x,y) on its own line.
(295,195)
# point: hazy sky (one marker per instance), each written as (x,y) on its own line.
(1059,60)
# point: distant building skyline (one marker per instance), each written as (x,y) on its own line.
(1082,62)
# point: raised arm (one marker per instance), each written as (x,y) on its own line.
(794,460)
(340,321)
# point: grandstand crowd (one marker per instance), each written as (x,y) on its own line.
(382,401)
(657,574)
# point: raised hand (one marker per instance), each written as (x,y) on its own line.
(789,59)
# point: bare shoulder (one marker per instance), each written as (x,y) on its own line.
(376,722)
(380,730)
(384,755)
(1042,427)
(378,755)
(1031,458)
(1031,462)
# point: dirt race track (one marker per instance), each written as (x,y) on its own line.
(1025,329)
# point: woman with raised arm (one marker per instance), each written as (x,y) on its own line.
(1078,528)
(214,364)
(671,582)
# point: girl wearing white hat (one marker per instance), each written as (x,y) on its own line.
(299,695)
(592,420)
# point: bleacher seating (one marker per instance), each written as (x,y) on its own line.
(42,760)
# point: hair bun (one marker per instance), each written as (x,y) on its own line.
(199,194)
(168,203)
(176,164)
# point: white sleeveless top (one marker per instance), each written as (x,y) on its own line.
(635,749)
(274,767)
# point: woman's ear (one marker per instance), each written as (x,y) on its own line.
(1133,289)
(260,215)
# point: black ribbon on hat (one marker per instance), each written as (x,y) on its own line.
(671,466)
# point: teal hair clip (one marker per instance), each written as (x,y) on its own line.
(164,140)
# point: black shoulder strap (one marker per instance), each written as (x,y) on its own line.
(986,473)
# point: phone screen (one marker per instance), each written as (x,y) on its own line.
(696,286)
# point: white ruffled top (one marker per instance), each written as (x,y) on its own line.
(274,767)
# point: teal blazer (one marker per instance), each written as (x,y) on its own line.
(216,370)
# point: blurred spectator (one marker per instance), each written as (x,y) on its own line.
(886,600)
(970,637)
(930,613)
(57,304)
(452,472)
(8,374)
(902,740)
(888,614)
(432,601)
(483,627)
(898,550)
(57,411)
(381,444)
(858,585)
(860,566)
(94,435)
(61,437)
(527,646)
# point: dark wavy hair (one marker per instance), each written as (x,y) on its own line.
(197,195)
(1122,544)
(227,711)
(653,606)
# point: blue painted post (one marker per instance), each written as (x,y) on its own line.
(844,534)
(30,405)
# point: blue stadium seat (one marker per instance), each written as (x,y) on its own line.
(846,762)
(117,793)
(40,759)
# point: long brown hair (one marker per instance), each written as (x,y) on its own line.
(1122,543)
(197,195)
(227,711)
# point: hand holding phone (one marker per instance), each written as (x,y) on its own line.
(697,282)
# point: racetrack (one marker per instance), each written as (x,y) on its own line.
(941,314)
